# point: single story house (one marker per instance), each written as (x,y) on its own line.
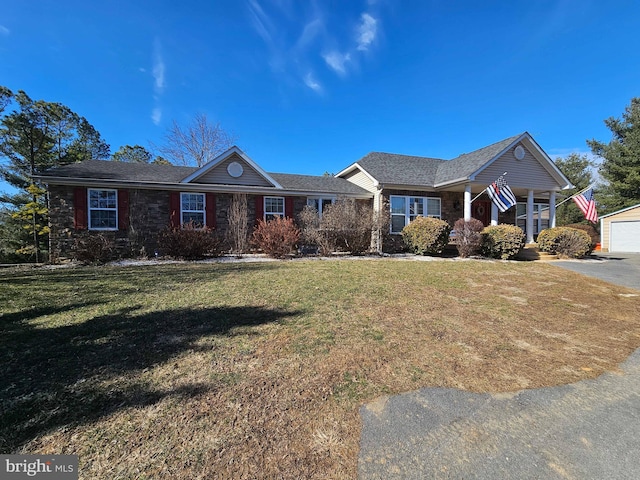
(620,231)
(132,202)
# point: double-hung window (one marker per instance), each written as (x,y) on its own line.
(103,209)
(406,209)
(273,207)
(192,209)
(319,203)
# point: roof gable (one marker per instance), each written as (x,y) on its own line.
(232,167)
(395,169)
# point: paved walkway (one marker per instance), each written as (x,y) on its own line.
(586,430)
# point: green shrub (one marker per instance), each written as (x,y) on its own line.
(277,238)
(502,241)
(468,236)
(426,235)
(94,248)
(190,242)
(565,241)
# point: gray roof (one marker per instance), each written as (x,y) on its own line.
(397,169)
(311,183)
(145,172)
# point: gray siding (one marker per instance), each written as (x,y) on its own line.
(219,175)
(362,180)
(525,173)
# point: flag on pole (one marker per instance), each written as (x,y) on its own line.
(587,205)
(500,194)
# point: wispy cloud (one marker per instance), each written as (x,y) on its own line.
(366,31)
(158,67)
(311,30)
(312,83)
(156,115)
(261,21)
(4,30)
(337,61)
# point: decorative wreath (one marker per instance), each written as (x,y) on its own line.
(480,209)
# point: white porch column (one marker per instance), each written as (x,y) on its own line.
(552,209)
(494,214)
(467,203)
(530,216)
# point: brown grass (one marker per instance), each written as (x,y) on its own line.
(258,370)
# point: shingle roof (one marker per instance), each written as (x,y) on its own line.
(397,169)
(144,172)
(311,183)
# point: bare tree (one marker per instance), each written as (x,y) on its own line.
(197,143)
(238,223)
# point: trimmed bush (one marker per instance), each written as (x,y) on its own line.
(468,236)
(93,249)
(190,242)
(277,238)
(502,241)
(565,241)
(426,235)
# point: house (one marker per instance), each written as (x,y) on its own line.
(131,203)
(620,230)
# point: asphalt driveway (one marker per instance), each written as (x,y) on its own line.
(586,430)
(617,268)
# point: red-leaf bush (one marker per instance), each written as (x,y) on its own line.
(468,236)
(277,238)
(191,242)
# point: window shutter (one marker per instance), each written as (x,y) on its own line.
(80,208)
(288,207)
(259,207)
(123,209)
(210,210)
(174,209)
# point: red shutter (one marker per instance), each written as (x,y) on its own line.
(288,207)
(210,212)
(259,207)
(174,209)
(80,208)
(123,209)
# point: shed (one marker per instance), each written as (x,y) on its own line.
(621,230)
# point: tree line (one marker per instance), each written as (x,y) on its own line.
(36,135)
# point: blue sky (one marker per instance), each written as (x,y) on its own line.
(312,86)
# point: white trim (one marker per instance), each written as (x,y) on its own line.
(264,207)
(407,215)
(619,211)
(222,157)
(204,207)
(352,167)
(320,199)
(109,229)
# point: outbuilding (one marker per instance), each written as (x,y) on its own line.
(620,230)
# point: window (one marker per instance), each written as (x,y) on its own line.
(540,217)
(406,209)
(273,207)
(192,208)
(103,209)
(319,203)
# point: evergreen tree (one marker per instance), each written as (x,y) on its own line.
(621,161)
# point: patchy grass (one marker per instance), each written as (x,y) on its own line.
(258,370)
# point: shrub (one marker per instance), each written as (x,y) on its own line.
(565,241)
(190,242)
(238,219)
(468,236)
(348,224)
(277,237)
(93,249)
(311,233)
(502,241)
(426,235)
(590,229)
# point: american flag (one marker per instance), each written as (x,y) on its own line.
(587,205)
(500,194)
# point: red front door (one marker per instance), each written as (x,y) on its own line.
(481,209)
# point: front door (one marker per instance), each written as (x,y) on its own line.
(481,210)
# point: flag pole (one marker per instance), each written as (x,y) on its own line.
(480,194)
(575,195)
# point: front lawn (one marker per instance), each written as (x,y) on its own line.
(257,370)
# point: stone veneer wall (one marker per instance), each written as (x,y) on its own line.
(148,215)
